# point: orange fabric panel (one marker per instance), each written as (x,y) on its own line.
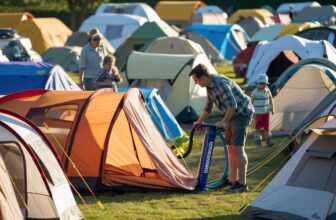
(91,134)
(121,156)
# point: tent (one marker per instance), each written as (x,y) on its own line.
(170,75)
(210,50)
(19,76)
(320,33)
(109,136)
(35,169)
(243,58)
(251,20)
(160,114)
(266,52)
(209,9)
(80,39)
(305,187)
(282,19)
(209,18)
(115,27)
(44,32)
(143,35)
(139,9)
(19,49)
(174,45)
(301,88)
(228,39)
(177,12)
(3,57)
(67,57)
(325,14)
(296,6)
(13,19)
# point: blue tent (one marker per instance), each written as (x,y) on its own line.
(160,114)
(20,76)
(228,39)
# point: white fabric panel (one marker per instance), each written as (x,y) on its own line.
(60,80)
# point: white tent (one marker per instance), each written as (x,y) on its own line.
(139,9)
(3,58)
(209,18)
(297,6)
(209,9)
(325,14)
(170,74)
(305,187)
(266,52)
(115,27)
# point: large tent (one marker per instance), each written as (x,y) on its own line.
(251,20)
(143,35)
(169,73)
(67,57)
(325,14)
(115,27)
(273,51)
(19,76)
(13,19)
(228,39)
(42,188)
(295,6)
(109,137)
(301,88)
(305,187)
(139,9)
(44,32)
(320,33)
(177,12)
(174,45)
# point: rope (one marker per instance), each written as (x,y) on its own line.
(18,192)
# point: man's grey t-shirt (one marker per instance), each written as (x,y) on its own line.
(91,61)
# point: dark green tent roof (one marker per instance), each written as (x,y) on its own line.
(153,30)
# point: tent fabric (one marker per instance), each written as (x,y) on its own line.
(177,12)
(263,15)
(109,136)
(160,114)
(282,19)
(228,39)
(3,57)
(142,36)
(67,57)
(320,33)
(209,9)
(308,83)
(19,76)
(170,75)
(33,166)
(300,190)
(44,32)
(13,19)
(139,9)
(295,6)
(174,45)
(325,14)
(209,18)
(266,52)
(115,27)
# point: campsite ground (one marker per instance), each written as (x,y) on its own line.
(187,205)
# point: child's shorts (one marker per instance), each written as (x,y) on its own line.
(262,121)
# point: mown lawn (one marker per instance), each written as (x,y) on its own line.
(187,205)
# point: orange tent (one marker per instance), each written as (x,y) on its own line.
(109,136)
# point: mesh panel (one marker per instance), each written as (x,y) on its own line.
(113,31)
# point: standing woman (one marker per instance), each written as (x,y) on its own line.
(90,62)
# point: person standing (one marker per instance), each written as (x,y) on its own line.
(263,104)
(238,110)
(90,62)
(108,76)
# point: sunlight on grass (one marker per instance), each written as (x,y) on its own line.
(74,77)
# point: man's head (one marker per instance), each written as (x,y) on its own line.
(201,75)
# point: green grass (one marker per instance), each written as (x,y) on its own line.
(177,205)
(74,77)
(227,70)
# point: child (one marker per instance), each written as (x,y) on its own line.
(263,104)
(109,75)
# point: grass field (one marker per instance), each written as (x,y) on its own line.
(177,205)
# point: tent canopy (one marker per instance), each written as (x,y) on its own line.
(209,9)
(139,9)
(320,33)
(13,19)
(263,15)
(325,14)
(109,136)
(295,6)
(19,76)
(44,32)
(209,18)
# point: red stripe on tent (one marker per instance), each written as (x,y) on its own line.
(23,94)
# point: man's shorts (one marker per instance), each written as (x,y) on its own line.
(236,132)
(262,121)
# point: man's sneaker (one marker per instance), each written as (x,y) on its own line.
(269,143)
(237,188)
(258,143)
(226,183)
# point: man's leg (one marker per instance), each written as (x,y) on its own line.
(232,164)
(242,162)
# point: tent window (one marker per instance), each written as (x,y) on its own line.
(113,31)
(14,161)
(110,9)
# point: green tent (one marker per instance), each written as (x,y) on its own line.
(143,35)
